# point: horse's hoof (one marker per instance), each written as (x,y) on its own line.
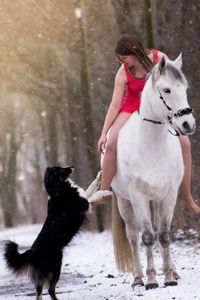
(150,286)
(171,283)
(137,282)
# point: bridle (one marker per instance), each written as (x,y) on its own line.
(171,114)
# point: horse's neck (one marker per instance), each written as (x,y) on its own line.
(151,134)
(149,99)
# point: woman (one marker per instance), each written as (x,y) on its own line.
(136,64)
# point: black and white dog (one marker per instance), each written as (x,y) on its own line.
(67,209)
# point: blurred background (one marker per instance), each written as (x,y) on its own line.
(57,68)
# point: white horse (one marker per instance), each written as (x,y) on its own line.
(150,170)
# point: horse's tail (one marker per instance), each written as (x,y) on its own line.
(122,249)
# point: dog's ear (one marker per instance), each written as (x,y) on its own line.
(68,171)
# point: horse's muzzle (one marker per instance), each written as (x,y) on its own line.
(187,128)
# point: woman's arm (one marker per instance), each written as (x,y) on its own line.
(113,110)
(118,92)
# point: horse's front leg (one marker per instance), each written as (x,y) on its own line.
(142,211)
(166,214)
(148,238)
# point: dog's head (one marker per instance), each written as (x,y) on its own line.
(55,179)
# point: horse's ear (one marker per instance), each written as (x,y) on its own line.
(162,64)
(178,61)
(160,68)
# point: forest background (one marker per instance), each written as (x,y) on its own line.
(56,81)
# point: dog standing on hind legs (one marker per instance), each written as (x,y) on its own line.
(67,208)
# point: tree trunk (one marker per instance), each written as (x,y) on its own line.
(8,184)
(149,29)
(88,132)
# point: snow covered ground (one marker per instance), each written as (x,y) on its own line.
(89,272)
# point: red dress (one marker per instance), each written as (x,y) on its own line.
(134,87)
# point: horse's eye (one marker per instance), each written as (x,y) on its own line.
(168,91)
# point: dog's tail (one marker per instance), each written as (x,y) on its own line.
(16,262)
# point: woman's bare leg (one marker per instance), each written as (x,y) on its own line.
(185,191)
(109,162)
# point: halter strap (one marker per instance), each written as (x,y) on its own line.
(179,113)
(163,123)
(153,121)
(163,100)
(184,111)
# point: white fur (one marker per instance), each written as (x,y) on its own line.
(79,189)
(150,167)
(92,193)
(178,61)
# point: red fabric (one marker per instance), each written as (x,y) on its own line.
(134,87)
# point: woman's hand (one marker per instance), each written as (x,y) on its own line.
(102,143)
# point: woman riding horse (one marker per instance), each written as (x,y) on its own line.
(136,63)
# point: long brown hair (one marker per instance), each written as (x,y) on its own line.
(129,44)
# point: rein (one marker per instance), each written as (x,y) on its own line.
(179,113)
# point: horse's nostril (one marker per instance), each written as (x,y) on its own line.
(186,125)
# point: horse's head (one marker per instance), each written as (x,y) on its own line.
(169,98)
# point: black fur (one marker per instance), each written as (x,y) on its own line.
(66,213)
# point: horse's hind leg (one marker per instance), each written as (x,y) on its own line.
(174,271)
(132,233)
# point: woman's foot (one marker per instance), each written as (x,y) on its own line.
(99,197)
(94,186)
(191,204)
